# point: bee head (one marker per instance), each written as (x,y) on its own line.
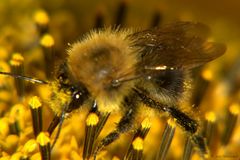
(76,92)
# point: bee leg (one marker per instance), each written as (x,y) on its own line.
(187,123)
(191,126)
(123,126)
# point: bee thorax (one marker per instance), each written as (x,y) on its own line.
(99,61)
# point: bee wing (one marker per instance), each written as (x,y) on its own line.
(182,45)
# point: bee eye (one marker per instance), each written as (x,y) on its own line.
(76,101)
(78,98)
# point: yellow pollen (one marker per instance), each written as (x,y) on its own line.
(234,109)
(47,40)
(171,122)
(41,17)
(34,102)
(43,138)
(146,123)
(138,143)
(210,116)
(92,119)
(17,59)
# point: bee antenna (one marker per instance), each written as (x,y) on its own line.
(32,80)
(59,128)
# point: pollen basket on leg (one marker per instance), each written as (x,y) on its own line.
(98,60)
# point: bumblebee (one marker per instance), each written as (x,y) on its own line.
(119,70)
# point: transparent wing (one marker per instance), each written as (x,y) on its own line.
(182,45)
